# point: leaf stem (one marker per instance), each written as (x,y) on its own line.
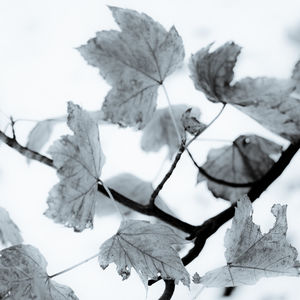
(112,199)
(208,125)
(172,115)
(74,266)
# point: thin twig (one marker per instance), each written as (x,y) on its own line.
(167,176)
(12,142)
(73,267)
(169,290)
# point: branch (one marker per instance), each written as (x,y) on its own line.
(210,226)
(217,180)
(169,290)
(12,142)
(167,176)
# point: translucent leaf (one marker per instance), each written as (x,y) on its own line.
(245,161)
(160,131)
(269,102)
(135,61)
(78,159)
(131,187)
(23,276)
(9,231)
(191,123)
(250,255)
(40,135)
(148,249)
(212,72)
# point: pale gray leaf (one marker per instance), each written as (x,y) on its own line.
(9,231)
(135,61)
(269,102)
(148,248)
(160,131)
(250,255)
(23,276)
(79,160)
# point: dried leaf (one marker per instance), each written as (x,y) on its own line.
(269,102)
(131,187)
(79,160)
(191,123)
(212,72)
(135,62)
(160,131)
(23,276)
(9,231)
(250,255)
(148,249)
(245,161)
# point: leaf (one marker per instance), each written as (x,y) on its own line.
(131,187)
(23,276)
(296,77)
(190,122)
(245,161)
(9,231)
(148,249)
(135,62)
(250,255)
(40,135)
(79,160)
(160,131)
(269,102)
(212,72)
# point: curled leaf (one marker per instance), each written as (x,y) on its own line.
(251,255)
(9,231)
(79,160)
(212,72)
(148,248)
(23,276)
(135,61)
(191,123)
(245,161)
(160,131)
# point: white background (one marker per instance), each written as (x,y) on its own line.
(41,70)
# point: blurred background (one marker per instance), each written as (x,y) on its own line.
(41,70)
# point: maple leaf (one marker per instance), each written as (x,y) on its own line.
(269,101)
(148,249)
(245,161)
(250,255)
(131,187)
(79,160)
(135,61)
(160,131)
(9,231)
(212,72)
(23,276)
